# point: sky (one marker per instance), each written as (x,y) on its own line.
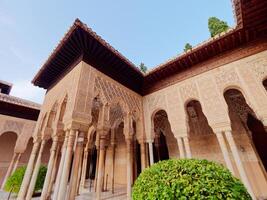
(150,31)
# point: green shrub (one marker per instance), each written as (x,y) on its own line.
(188,179)
(14,181)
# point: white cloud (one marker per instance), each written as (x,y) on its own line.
(24,89)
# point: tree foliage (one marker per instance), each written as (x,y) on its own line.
(188,179)
(187,47)
(217,26)
(143,68)
(14,181)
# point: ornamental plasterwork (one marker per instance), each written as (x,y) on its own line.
(189,90)
(156,101)
(226,77)
(12,126)
(112,91)
(210,97)
(259,67)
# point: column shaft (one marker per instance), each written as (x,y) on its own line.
(181,147)
(16,163)
(113,165)
(35,172)
(49,169)
(66,169)
(28,172)
(151,156)
(61,165)
(129,168)
(84,167)
(75,166)
(187,147)
(54,172)
(143,155)
(9,170)
(239,163)
(225,152)
(101,166)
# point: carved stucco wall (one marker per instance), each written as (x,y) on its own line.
(208,88)
(22,127)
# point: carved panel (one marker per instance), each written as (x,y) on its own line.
(189,90)
(226,77)
(13,126)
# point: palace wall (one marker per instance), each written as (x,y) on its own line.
(246,75)
(14,136)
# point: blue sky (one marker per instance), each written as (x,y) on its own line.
(143,31)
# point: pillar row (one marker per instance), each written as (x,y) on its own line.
(9,170)
(28,172)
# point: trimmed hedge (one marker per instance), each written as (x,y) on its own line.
(188,179)
(14,181)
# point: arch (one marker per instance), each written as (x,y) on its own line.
(246,125)
(63,107)
(7,142)
(243,92)
(42,124)
(264,83)
(52,115)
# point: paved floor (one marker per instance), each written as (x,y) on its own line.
(119,194)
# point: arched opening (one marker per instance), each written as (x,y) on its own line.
(202,140)
(264,83)
(92,162)
(7,144)
(165,145)
(249,132)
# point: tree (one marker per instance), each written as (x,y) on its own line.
(187,47)
(188,179)
(142,67)
(217,26)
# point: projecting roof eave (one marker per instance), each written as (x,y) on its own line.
(87,34)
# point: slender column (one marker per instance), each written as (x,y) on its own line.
(113,165)
(225,152)
(151,156)
(75,166)
(16,163)
(49,169)
(96,169)
(129,144)
(239,163)
(181,147)
(187,147)
(100,174)
(84,167)
(61,165)
(28,172)
(79,173)
(53,176)
(66,168)
(35,172)
(143,154)
(9,170)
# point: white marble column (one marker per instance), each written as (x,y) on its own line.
(66,168)
(28,172)
(129,146)
(35,171)
(75,166)
(181,147)
(84,167)
(9,170)
(239,163)
(187,147)
(61,165)
(100,174)
(16,163)
(143,154)
(49,169)
(225,152)
(151,155)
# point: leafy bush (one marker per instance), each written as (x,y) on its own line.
(188,179)
(14,181)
